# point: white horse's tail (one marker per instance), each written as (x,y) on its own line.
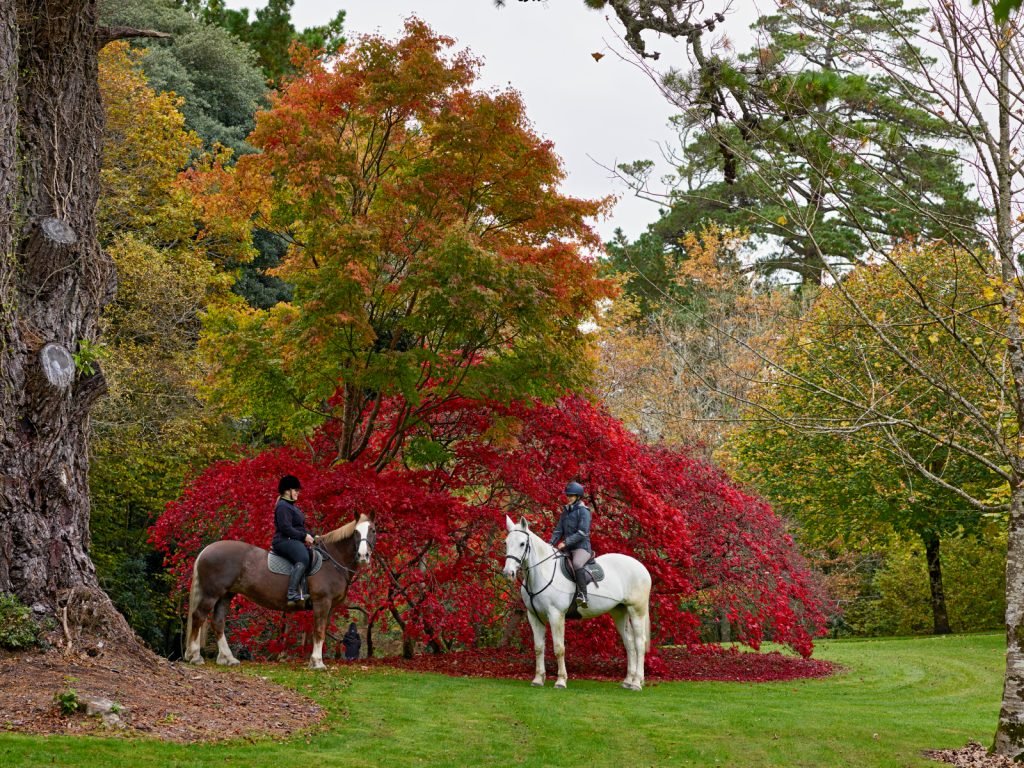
(647,632)
(193,598)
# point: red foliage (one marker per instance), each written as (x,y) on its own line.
(712,550)
(671,664)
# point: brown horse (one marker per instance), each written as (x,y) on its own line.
(226,568)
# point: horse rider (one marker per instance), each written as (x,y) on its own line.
(291,539)
(572,536)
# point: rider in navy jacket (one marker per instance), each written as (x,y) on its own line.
(572,534)
(291,539)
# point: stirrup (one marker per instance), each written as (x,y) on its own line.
(581,599)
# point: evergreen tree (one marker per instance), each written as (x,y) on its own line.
(271,33)
(821,158)
(216,74)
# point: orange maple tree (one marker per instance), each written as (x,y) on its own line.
(431,251)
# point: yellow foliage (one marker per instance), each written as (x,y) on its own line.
(151,420)
(145,147)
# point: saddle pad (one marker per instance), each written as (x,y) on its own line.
(283,565)
(595,571)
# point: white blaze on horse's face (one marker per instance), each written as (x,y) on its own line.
(363,553)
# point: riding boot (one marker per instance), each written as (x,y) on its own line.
(295,598)
(581,588)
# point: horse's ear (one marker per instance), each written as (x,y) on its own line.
(509,525)
(522,524)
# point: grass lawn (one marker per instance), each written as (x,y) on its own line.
(896,698)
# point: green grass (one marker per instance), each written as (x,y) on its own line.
(896,698)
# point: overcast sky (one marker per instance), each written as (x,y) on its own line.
(596,112)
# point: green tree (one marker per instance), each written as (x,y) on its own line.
(648,265)
(844,470)
(803,144)
(271,32)
(215,74)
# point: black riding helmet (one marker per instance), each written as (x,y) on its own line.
(287,483)
(574,489)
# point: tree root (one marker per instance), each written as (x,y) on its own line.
(90,623)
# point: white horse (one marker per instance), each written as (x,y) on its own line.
(625,593)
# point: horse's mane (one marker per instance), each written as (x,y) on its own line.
(345,532)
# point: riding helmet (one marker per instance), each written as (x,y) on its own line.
(574,489)
(287,483)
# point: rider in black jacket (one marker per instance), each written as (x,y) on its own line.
(572,534)
(291,539)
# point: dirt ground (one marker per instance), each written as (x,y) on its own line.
(972,756)
(154,698)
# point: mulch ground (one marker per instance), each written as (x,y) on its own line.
(156,698)
(669,664)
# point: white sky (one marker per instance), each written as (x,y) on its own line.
(597,113)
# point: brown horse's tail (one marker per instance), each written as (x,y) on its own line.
(193,600)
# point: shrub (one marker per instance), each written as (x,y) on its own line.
(17,628)
(67,701)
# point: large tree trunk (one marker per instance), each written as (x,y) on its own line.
(940,618)
(54,281)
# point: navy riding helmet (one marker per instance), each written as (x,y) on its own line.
(287,483)
(574,489)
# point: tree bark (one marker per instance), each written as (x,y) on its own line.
(1010,732)
(54,281)
(940,617)
(1009,739)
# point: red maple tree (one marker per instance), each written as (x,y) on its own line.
(714,551)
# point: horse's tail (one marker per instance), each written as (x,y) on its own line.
(647,632)
(193,600)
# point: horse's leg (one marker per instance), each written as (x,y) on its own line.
(199,611)
(557,622)
(624,625)
(219,618)
(321,615)
(640,618)
(538,647)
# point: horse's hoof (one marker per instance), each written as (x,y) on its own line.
(230,662)
(317,665)
(632,687)
(196,660)
(560,686)
(537,683)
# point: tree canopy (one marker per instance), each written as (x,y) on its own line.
(802,143)
(271,33)
(216,74)
(716,554)
(430,250)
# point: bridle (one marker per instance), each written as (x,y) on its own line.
(371,540)
(521,561)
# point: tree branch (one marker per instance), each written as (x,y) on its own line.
(105,35)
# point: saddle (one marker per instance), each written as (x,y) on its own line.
(595,572)
(283,565)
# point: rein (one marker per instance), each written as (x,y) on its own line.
(339,566)
(527,568)
(371,540)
